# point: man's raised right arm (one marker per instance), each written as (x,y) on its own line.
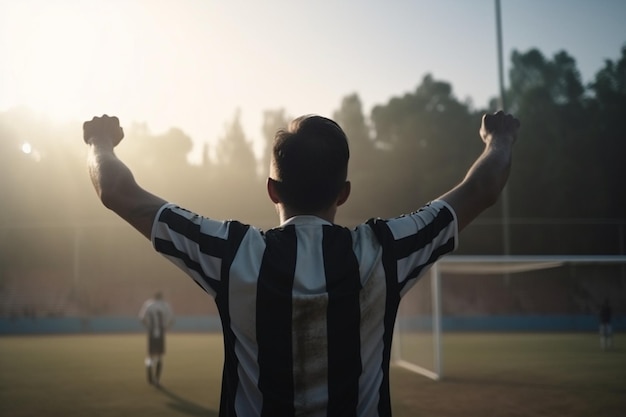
(487,177)
(112,179)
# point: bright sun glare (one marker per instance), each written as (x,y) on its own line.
(69,60)
(26,148)
(57,52)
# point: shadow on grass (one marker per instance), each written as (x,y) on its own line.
(185,406)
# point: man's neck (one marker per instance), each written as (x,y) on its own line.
(285,213)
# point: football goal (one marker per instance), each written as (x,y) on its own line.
(506,293)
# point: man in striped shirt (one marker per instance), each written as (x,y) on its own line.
(308,307)
(156,316)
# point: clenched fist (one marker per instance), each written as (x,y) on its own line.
(499,124)
(103,128)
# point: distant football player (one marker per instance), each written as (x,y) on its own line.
(156,316)
(606,331)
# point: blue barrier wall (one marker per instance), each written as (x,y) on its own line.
(570,323)
(576,323)
(100,325)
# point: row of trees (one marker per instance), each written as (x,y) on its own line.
(568,173)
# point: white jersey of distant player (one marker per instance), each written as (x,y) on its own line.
(156,316)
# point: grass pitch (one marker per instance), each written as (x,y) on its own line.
(504,375)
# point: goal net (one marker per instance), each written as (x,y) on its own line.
(501,293)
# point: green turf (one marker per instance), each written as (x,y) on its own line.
(104,375)
(548,375)
(504,375)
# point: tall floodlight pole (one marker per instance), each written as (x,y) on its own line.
(506,239)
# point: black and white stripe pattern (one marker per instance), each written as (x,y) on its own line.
(308,308)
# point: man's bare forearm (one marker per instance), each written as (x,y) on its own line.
(109,175)
(481,186)
(117,189)
(113,180)
(488,175)
(490,172)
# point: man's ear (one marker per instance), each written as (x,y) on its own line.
(344,193)
(272,190)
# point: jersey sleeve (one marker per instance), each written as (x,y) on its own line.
(413,242)
(195,244)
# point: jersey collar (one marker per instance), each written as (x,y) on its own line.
(305,220)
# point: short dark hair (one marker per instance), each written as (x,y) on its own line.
(310,160)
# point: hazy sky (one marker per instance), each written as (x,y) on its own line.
(192,63)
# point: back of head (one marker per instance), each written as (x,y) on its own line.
(310,163)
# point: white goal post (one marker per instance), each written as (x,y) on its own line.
(429,331)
